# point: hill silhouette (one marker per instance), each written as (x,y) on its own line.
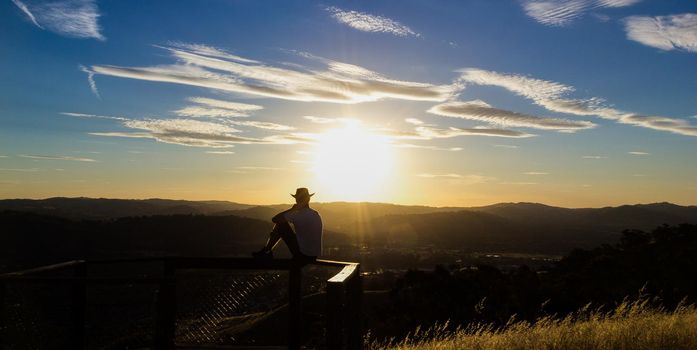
(104,208)
(504,227)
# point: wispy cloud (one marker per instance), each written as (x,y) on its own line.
(336,120)
(431,176)
(413,121)
(535,173)
(233,106)
(337,84)
(677,126)
(321,120)
(51,157)
(370,23)
(20,170)
(639,153)
(220,152)
(519,183)
(94,116)
(71,18)
(210,51)
(562,12)
(676,32)
(594,157)
(26,11)
(212,108)
(507,146)
(252,169)
(551,95)
(429,132)
(90,81)
(428,147)
(468,179)
(263,125)
(481,111)
(196,133)
(258,168)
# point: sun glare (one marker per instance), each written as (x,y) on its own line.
(351,163)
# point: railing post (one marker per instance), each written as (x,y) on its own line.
(166,309)
(335,309)
(79,303)
(3,325)
(295,312)
(354,299)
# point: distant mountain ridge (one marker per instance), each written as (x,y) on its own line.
(105,208)
(524,227)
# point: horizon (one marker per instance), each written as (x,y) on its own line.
(356,202)
(445,104)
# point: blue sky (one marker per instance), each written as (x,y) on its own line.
(566,102)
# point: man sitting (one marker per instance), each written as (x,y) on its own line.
(305,242)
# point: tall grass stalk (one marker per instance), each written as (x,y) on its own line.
(632,325)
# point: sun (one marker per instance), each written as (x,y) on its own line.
(351,163)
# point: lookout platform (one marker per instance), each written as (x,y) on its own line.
(187,303)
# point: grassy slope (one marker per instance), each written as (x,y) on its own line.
(630,326)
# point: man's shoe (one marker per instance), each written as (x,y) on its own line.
(263,254)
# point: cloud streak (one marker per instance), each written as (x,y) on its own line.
(340,83)
(428,147)
(676,32)
(20,170)
(90,81)
(433,176)
(71,18)
(429,132)
(370,23)
(481,111)
(212,108)
(50,157)
(559,13)
(196,133)
(455,178)
(93,116)
(552,96)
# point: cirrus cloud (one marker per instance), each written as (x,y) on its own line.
(71,18)
(676,32)
(552,96)
(561,13)
(52,157)
(196,133)
(481,111)
(370,23)
(337,84)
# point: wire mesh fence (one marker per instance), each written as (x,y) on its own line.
(37,316)
(213,307)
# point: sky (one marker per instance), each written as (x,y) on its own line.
(575,103)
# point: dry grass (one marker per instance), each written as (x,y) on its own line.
(632,325)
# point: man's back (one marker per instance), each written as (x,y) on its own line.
(308,228)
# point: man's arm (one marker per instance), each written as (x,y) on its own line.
(281,217)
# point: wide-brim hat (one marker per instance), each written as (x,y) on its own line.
(302,192)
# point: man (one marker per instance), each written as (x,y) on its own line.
(305,242)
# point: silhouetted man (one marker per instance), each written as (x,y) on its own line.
(305,242)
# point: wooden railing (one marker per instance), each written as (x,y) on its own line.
(344,294)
